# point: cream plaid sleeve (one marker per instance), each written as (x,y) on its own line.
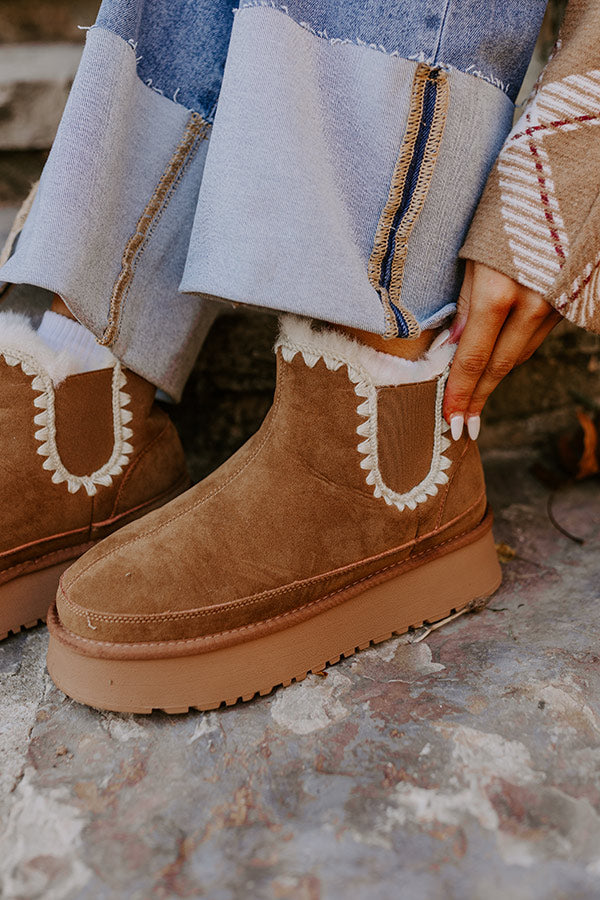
(538,220)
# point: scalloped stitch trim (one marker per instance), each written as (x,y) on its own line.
(367,409)
(46,419)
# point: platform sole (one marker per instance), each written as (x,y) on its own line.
(24,601)
(461,580)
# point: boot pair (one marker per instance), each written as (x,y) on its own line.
(348,517)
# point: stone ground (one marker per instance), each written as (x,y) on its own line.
(460,764)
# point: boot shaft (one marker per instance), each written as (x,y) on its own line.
(73,447)
(374,423)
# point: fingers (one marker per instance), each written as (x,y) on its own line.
(519,333)
(463,304)
(503,325)
(489,307)
(540,335)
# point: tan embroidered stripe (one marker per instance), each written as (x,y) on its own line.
(196,131)
(391,294)
(423,184)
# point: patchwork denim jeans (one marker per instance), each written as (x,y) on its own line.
(323,157)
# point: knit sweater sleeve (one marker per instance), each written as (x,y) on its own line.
(538,220)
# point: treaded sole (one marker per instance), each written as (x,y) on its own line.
(460,581)
(24,601)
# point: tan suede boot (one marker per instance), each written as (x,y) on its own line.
(312,541)
(81,455)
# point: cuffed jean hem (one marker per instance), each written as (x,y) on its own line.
(110,225)
(336,181)
(303,181)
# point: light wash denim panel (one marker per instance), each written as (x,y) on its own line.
(303,150)
(98,230)
(350,143)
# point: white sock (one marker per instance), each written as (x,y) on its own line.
(61,333)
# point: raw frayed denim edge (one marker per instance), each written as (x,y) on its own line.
(428,59)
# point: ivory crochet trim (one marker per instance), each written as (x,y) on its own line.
(367,370)
(44,387)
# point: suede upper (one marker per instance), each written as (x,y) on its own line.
(289,519)
(42,519)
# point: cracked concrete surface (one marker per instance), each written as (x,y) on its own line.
(466,765)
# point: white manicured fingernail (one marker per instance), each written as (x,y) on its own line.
(441,339)
(456,426)
(473,426)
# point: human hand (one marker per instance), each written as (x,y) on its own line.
(498,324)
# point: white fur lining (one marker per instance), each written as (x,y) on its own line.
(384,370)
(21,345)
(367,370)
(18,335)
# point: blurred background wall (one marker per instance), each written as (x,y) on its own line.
(40,45)
(231,389)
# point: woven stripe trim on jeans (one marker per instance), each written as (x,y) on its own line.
(408,190)
(196,131)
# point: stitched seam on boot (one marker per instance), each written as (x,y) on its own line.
(197,503)
(77,610)
(133,468)
(52,537)
(277,592)
(169,493)
(457,466)
(195,132)
(408,191)
(25,566)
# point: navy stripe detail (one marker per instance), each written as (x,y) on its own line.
(403,329)
(412,178)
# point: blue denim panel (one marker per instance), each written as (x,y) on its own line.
(493,40)
(479,118)
(181,45)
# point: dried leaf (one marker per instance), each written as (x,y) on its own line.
(588,463)
(505,552)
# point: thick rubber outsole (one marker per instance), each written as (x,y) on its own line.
(460,580)
(24,601)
